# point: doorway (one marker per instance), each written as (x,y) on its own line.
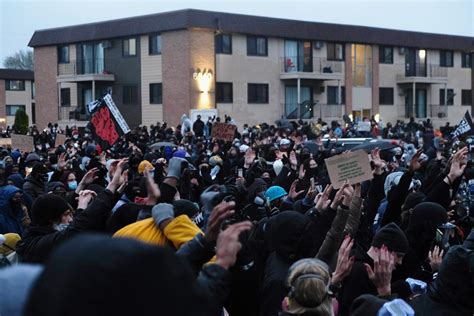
(419,109)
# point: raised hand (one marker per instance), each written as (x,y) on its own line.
(322,200)
(458,164)
(435,258)
(293,194)
(347,194)
(120,177)
(249,157)
(293,160)
(62,161)
(415,163)
(228,244)
(379,164)
(152,188)
(344,262)
(219,213)
(85,197)
(87,179)
(339,196)
(381,275)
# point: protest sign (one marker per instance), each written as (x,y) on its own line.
(364,127)
(464,126)
(60,140)
(107,123)
(223,131)
(352,166)
(23,142)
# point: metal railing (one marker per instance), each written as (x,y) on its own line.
(67,113)
(84,67)
(308,110)
(426,111)
(310,64)
(421,70)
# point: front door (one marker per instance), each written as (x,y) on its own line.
(418,109)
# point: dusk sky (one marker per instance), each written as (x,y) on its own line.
(20,18)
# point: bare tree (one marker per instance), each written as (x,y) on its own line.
(22,59)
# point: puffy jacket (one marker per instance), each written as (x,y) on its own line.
(10,220)
(33,187)
(39,241)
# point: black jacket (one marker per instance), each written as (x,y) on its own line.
(38,242)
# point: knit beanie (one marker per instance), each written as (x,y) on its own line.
(185,207)
(215,161)
(181,153)
(47,209)
(9,243)
(391,236)
(143,165)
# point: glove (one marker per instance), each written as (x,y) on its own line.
(162,212)
(176,166)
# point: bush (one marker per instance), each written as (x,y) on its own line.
(21,122)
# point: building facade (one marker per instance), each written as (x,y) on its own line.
(17,91)
(255,69)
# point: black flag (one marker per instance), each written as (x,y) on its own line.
(464,126)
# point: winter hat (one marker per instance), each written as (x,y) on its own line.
(33,157)
(47,209)
(427,215)
(111,162)
(90,149)
(17,180)
(144,164)
(9,243)
(150,157)
(15,154)
(412,200)
(181,153)
(366,305)
(274,192)
(243,148)
(391,236)
(130,281)
(55,185)
(185,207)
(285,142)
(215,161)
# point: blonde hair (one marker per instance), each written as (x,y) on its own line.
(308,280)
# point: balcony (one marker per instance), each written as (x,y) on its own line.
(300,67)
(85,70)
(421,73)
(73,113)
(427,111)
(310,110)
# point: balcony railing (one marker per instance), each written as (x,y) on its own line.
(308,110)
(68,113)
(84,67)
(423,111)
(421,70)
(307,64)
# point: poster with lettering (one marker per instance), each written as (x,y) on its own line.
(60,140)
(107,123)
(351,166)
(24,143)
(223,131)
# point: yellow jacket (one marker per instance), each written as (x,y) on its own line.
(179,231)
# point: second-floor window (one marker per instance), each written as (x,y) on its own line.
(466,98)
(63,54)
(156,93)
(257,93)
(333,97)
(386,96)
(65,97)
(449,99)
(335,51)
(129,47)
(15,85)
(466,60)
(223,44)
(130,95)
(154,44)
(386,54)
(257,46)
(224,92)
(446,58)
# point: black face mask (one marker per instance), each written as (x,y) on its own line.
(268,181)
(43,177)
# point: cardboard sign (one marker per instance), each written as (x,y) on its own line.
(23,142)
(223,131)
(352,166)
(60,140)
(364,126)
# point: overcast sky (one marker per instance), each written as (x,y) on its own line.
(20,18)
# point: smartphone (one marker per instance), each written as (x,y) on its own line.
(240,172)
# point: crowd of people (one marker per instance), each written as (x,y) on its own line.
(171,221)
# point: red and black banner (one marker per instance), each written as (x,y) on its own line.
(107,124)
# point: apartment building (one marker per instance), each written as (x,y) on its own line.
(17,91)
(254,69)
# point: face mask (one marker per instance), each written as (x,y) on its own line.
(60,227)
(72,185)
(44,177)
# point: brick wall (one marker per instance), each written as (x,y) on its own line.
(46,87)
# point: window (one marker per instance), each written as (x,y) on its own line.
(257,46)
(156,93)
(335,51)
(11,109)
(257,93)
(154,44)
(224,92)
(15,85)
(446,58)
(130,95)
(450,97)
(65,97)
(386,54)
(466,60)
(361,65)
(63,54)
(129,47)
(466,98)
(33,90)
(333,95)
(386,96)
(223,44)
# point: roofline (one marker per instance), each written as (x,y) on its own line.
(259,25)
(16,74)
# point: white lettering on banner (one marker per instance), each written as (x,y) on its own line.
(118,117)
